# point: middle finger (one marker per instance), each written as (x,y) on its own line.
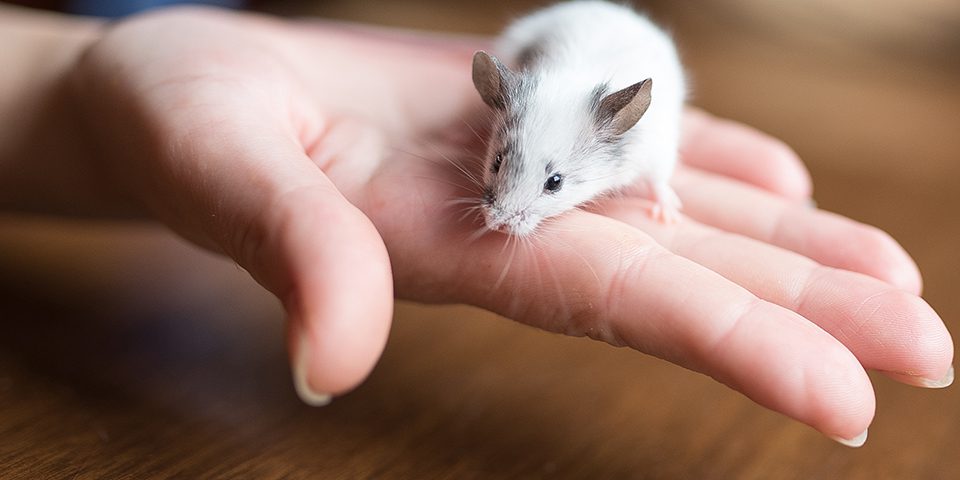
(886,328)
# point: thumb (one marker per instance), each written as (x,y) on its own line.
(262,201)
(210,147)
(328,265)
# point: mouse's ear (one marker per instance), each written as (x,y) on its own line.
(621,110)
(491,78)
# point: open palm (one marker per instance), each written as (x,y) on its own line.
(326,160)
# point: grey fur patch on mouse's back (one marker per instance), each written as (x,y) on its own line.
(530,56)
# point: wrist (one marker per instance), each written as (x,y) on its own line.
(44,155)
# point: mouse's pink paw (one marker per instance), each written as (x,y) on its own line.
(665,214)
(666,204)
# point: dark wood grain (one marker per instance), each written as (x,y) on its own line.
(125,353)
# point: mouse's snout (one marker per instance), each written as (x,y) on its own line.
(510,222)
(504,212)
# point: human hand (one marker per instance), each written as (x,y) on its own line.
(323,160)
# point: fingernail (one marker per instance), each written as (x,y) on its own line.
(854,442)
(942,382)
(300,382)
(919,381)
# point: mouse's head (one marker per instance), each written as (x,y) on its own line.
(553,145)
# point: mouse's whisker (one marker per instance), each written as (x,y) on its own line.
(547,278)
(457,165)
(530,253)
(558,289)
(474,211)
(507,243)
(466,173)
(475,133)
(476,201)
(583,259)
(476,235)
(469,188)
(508,264)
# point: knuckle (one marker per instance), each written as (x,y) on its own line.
(248,242)
(728,326)
(255,241)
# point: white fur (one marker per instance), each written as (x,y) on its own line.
(582,45)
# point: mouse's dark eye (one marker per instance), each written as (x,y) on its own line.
(553,184)
(496,163)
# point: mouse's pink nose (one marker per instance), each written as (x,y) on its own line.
(505,223)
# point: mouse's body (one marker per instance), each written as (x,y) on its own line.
(587,101)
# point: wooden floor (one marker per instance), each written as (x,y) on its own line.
(125,353)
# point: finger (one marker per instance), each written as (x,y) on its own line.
(827,238)
(334,279)
(327,263)
(737,151)
(261,200)
(886,328)
(617,285)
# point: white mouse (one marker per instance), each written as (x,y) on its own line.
(587,101)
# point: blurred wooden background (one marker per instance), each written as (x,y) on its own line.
(126,354)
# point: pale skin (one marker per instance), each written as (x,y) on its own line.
(316,156)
